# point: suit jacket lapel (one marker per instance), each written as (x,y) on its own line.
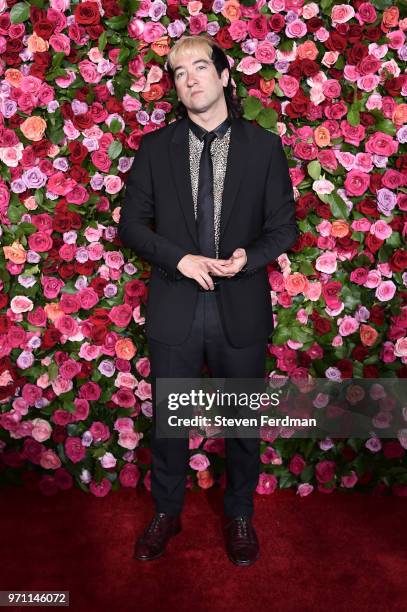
(179,161)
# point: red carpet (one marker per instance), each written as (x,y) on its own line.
(340,552)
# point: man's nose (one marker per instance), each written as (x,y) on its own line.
(191,80)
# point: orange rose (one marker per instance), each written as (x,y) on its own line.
(125,349)
(231,10)
(368,335)
(161,46)
(267,87)
(36,44)
(307,50)
(33,128)
(14,77)
(295,283)
(205,479)
(15,253)
(53,311)
(322,136)
(400,114)
(390,18)
(155,93)
(339,228)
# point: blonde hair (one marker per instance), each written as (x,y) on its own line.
(187,44)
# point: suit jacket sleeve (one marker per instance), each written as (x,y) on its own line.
(137,213)
(280,230)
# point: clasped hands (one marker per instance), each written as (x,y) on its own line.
(200,268)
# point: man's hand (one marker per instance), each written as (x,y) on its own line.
(200,268)
(229,267)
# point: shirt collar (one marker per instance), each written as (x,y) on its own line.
(200,132)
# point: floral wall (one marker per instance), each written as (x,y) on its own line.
(80,83)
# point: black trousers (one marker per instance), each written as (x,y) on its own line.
(170,456)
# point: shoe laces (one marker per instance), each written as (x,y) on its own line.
(154,526)
(242,527)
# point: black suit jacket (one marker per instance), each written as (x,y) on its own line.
(258,214)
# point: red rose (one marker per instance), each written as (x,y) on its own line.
(44,28)
(314,24)
(224,39)
(346,368)
(377,315)
(336,42)
(257,28)
(373,243)
(296,464)
(359,353)
(370,371)
(392,449)
(87,13)
(276,22)
(83,121)
(325,471)
(322,326)
(373,34)
(77,152)
(398,261)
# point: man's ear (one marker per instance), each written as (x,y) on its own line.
(225,71)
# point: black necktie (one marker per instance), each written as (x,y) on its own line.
(205,203)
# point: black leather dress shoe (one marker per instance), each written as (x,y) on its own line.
(242,545)
(152,542)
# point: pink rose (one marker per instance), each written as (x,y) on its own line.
(385,291)
(21,303)
(325,471)
(100,489)
(129,439)
(129,475)
(296,464)
(327,262)
(89,72)
(66,325)
(267,484)
(356,183)
(74,449)
(238,30)
(112,183)
(90,391)
(41,430)
(144,390)
(289,85)
(348,325)
(381,144)
(49,460)
(143,367)
(199,462)
(304,489)
(101,160)
(60,43)
(248,65)
(350,480)
(198,23)
(265,52)
(121,315)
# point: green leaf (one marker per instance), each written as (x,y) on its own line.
(114,150)
(102,41)
(115,126)
(118,22)
(338,206)
(123,55)
(20,12)
(314,169)
(267,118)
(252,107)
(353,115)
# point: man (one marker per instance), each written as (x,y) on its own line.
(219,193)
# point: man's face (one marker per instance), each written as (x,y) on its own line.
(196,81)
